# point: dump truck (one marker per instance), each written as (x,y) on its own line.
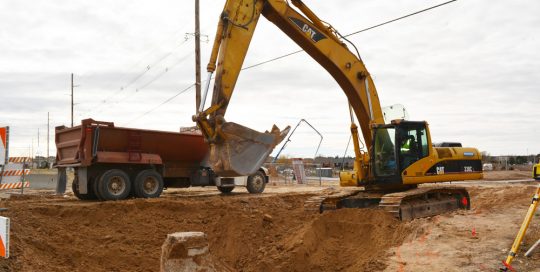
(113,163)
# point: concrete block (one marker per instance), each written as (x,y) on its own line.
(186,251)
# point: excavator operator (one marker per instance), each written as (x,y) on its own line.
(409,151)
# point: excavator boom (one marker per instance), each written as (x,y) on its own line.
(398,156)
(236,150)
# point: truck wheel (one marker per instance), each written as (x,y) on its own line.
(94,187)
(225,190)
(114,185)
(75,189)
(148,184)
(256,183)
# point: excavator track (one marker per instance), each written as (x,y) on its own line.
(329,201)
(405,205)
(424,202)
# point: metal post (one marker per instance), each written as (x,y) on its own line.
(197,58)
(203,100)
(23,175)
(533,247)
(289,139)
(32,155)
(320,174)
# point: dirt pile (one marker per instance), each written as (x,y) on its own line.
(508,175)
(343,240)
(501,197)
(246,233)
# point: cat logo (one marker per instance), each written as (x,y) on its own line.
(310,31)
(440,170)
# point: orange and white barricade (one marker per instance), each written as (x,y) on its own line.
(4,237)
(13,173)
(3,144)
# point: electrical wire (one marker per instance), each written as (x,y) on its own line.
(98,106)
(155,78)
(162,103)
(400,18)
(354,33)
(298,51)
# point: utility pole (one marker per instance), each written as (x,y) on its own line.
(32,153)
(197,57)
(71,99)
(37,152)
(48,123)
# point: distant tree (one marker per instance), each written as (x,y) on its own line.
(486,157)
(521,159)
(284,159)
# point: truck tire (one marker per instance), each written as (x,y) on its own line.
(225,190)
(75,188)
(256,183)
(148,184)
(114,185)
(94,187)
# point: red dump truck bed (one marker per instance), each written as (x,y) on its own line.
(116,162)
(101,142)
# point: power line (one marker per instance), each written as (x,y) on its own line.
(155,78)
(103,102)
(298,51)
(148,52)
(354,33)
(163,103)
(400,18)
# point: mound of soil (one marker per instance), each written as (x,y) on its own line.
(246,233)
(500,197)
(508,175)
(343,240)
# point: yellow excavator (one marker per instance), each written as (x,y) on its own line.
(399,154)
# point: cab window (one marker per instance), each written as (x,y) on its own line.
(413,146)
(385,157)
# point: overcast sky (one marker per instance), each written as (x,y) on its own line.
(470,68)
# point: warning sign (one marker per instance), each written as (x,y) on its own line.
(4,237)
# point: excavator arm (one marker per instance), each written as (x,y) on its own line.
(237,150)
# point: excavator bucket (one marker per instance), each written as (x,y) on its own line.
(243,150)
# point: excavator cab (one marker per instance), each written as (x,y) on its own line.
(396,146)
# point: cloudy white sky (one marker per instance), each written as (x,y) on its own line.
(470,68)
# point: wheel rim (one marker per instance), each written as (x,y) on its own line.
(150,185)
(257,182)
(117,185)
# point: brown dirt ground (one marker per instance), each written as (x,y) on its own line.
(57,234)
(269,232)
(475,240)
(507,175)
